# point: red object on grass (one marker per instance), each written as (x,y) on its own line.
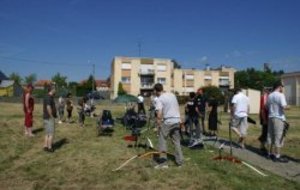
(130,138)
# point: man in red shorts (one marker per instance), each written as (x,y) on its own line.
(28,107)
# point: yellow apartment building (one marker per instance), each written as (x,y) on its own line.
(138,75)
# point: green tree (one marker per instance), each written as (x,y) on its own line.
(256,79)
(121,90)
(89,83)
(16,78)
(30,78)
(213,92)
(60,80)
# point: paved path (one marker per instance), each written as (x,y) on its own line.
(252,155)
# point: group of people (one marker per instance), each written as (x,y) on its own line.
(50,112)
(273,121)
(168,118)
(272,118)
(195,113)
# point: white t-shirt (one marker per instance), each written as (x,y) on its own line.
(140,99)
(168,104)
(276,103)
(241,104)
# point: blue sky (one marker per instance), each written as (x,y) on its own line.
(67,36)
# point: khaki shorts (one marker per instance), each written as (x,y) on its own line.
(49,125)
(275,130)
(241,124)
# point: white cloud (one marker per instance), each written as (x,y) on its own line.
(204,59)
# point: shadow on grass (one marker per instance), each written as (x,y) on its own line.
(38,130)
(58,144)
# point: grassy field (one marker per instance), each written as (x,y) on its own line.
(84,161)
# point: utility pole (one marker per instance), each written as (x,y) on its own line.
(94,77)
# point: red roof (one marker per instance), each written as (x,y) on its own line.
(42,82)
(99,83)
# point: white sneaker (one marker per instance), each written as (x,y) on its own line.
(59,122)
(161,166)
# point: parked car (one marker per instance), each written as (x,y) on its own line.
(95,95)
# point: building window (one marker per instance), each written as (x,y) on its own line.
(207,77)
(126,66)
(161,68)
(161,80)
(126,80)
(189,77)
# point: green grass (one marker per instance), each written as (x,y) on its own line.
(86,161)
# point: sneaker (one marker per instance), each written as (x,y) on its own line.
(161,166)
(280,159)
(59,122)
(242,146)
(50,150)
(270,156)
(45,149)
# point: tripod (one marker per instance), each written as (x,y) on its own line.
(229,158)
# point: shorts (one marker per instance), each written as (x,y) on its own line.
(49,125)
(241,124)
(28,120)
(275,130)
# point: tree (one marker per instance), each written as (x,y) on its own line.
(121,90)
(176,64)
(60,81)
(30,79)
(256,79)
(16,78)
(89,83)
(214,92)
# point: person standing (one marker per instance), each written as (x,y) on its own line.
(61,109)
(193,121)
(168,123)
(263,116)
(239,115)
(201,102)
(69,107)
(28,107)
(81,112)
(213,117)
(276,104)
(49,115)
(141,108)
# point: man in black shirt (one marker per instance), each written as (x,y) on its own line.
(193,121)
(201,104)
(49,115)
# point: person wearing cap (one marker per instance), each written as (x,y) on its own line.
(49,115)
(276,105)
(28,107)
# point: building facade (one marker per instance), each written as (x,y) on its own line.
(138,75)
(291,82)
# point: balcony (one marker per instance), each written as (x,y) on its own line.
(147,85)
(146,72)
(224,83)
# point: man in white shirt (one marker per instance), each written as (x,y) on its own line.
(276,105)
(141,108)
(168,123)
(239,115)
